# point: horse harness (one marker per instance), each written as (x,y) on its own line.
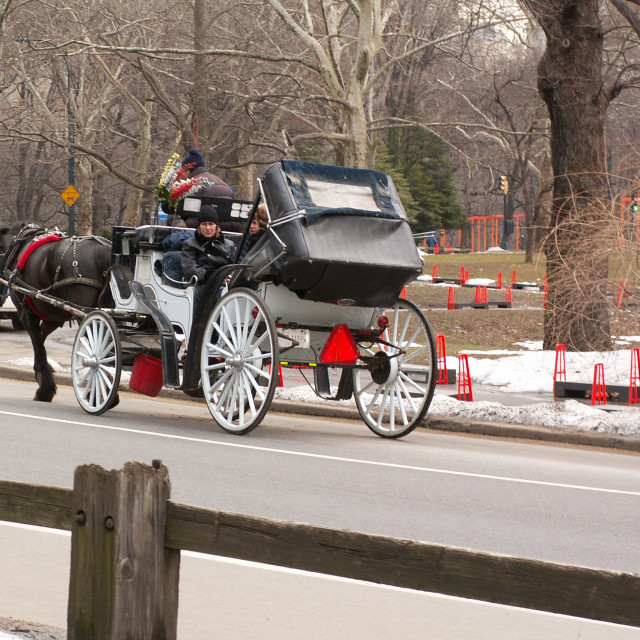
(77,277)
(32,237)
(27,241)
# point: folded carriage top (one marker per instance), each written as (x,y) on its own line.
(336,234)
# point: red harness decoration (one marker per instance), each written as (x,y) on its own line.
(33,308)
(33,246)
(23,261)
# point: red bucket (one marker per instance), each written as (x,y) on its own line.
(146,376)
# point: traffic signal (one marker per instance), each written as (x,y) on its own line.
(504,185)
(635,204)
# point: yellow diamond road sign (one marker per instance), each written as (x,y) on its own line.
(70,195)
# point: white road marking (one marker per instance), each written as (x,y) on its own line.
(317,456)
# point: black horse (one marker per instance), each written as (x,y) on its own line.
(73,270)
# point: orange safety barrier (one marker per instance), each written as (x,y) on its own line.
(441,350)
(403,293)
(481,295)
(434,271)
(451,303)
(623,292)
(499,281)
(560,370)
(634,377)
(509,297)
(280,376)
(465,392)
(598,389)
(461,277)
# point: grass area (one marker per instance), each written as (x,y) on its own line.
(488,265)
(493,328)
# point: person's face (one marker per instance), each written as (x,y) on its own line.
(186,173)
(255,227)
(208,229)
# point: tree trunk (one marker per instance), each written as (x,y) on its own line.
(361,150)
(570,82)
(134,201)
(200,107)
(84,206)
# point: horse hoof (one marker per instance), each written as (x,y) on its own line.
(42,397)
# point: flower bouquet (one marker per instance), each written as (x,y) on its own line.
(172,187)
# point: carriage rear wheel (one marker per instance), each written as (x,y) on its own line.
(96,363)
(238,348)
(395,391)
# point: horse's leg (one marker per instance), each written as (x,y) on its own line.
(44,373)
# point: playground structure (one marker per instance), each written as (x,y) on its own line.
(482,233)
(630,220)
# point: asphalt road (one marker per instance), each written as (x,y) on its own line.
(556,503)
(564,504)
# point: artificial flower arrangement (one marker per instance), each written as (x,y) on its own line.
(172,187)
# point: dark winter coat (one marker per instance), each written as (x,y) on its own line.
(202,256)
(249,242)
(219,188)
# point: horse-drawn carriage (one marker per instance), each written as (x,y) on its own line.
(319,291)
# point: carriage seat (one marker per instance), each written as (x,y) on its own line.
(170,267)
(171,270)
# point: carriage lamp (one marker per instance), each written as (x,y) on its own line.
(383,322)
(254,312)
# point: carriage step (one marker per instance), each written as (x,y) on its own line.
(168,343)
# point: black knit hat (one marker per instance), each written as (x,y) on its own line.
(208,213)
(194,157)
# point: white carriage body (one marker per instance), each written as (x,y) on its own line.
(318,289)
(287,309)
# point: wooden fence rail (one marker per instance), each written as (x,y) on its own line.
(127,537)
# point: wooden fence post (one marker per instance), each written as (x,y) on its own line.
(124,583)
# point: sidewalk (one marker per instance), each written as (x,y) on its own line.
(225,598)
(15,347)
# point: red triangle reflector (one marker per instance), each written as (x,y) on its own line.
(340,348)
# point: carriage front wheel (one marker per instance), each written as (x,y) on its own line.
(394,393)
(239,347)
(96,363)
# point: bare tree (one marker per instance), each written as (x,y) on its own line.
(572,83)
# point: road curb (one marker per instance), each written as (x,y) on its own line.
(431,422)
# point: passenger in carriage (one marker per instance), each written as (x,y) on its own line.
(193,167)
(207,250)
(256,230)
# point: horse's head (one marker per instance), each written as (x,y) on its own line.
(7,235)
(5,239)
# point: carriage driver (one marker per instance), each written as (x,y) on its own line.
(207,250)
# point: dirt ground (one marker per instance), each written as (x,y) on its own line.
(493,328)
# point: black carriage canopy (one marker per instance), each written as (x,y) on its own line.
(322,189)
(338,234)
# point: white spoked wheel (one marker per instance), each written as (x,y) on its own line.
(238,349)
(96,363)
(395,391)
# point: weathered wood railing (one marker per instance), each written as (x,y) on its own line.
(127,537)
